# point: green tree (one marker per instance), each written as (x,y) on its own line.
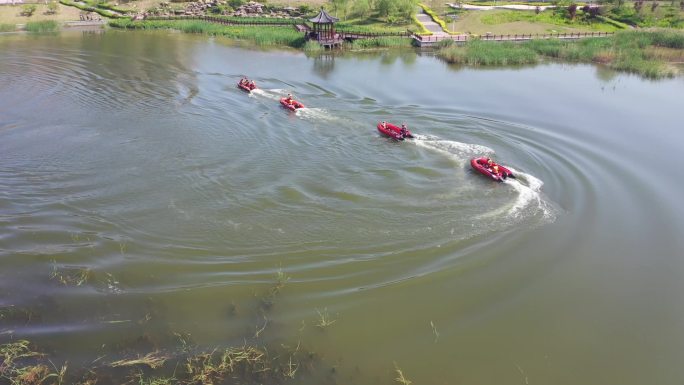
(340,7)
(572,11)
(406,8)
(235,3)
(305,9)
(361,8)
(385,7)
(638,5)
(28,10)
(52,7)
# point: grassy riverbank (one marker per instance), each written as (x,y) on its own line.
(644,53)
(263,36)
(12,15)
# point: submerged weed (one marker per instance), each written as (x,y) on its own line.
(210,368)
(68,276)
(153,360)
(141,380)
(324,319)
(17,315)
(15,351)
(434,331)
(19,364)
(400,376)
(268,300)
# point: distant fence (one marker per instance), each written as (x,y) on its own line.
(365,35)
(436,38)
(431,39)
(571,35)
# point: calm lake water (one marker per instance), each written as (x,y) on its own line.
(133,157)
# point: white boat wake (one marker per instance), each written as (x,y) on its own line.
(529,200)
(458,151)
(316,114)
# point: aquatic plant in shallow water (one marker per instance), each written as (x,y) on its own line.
(261,35)
(477,52)
(312,46)
(22,366)
(42,26)
(381,42)
(640,52)
(70,276)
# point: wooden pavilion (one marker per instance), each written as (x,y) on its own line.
(324,30)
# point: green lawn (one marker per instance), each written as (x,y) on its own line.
(516,22)
(373,24)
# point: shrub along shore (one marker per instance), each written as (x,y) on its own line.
(647,53)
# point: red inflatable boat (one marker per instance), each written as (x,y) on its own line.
(246,87)
(393,131)
(481,165)
(294,105)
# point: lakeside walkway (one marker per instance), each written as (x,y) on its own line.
(427,41)
(430,25)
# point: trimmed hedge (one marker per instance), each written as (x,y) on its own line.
(612,22)
(423,31)
(88,8)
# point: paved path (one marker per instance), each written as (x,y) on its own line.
(430,25)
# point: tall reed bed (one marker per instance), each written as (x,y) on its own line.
(586,50)
(381,42)
(312,47)
(661,38)
(483,53)
(7,27)
(641,52)
(260,35)
(42,26)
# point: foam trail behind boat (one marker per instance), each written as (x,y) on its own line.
(529,196)
(456,150)
(316,114)
(271,94)
(529,199)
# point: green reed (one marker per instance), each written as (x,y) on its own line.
(640,52)
(7,27)
(312,47)
(381,42)
(638,64)
(42,26)
(660,38)
(482,53)
(261,35)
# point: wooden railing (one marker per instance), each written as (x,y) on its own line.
(510,37)
(529,36)
(358,35)
(436,38)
